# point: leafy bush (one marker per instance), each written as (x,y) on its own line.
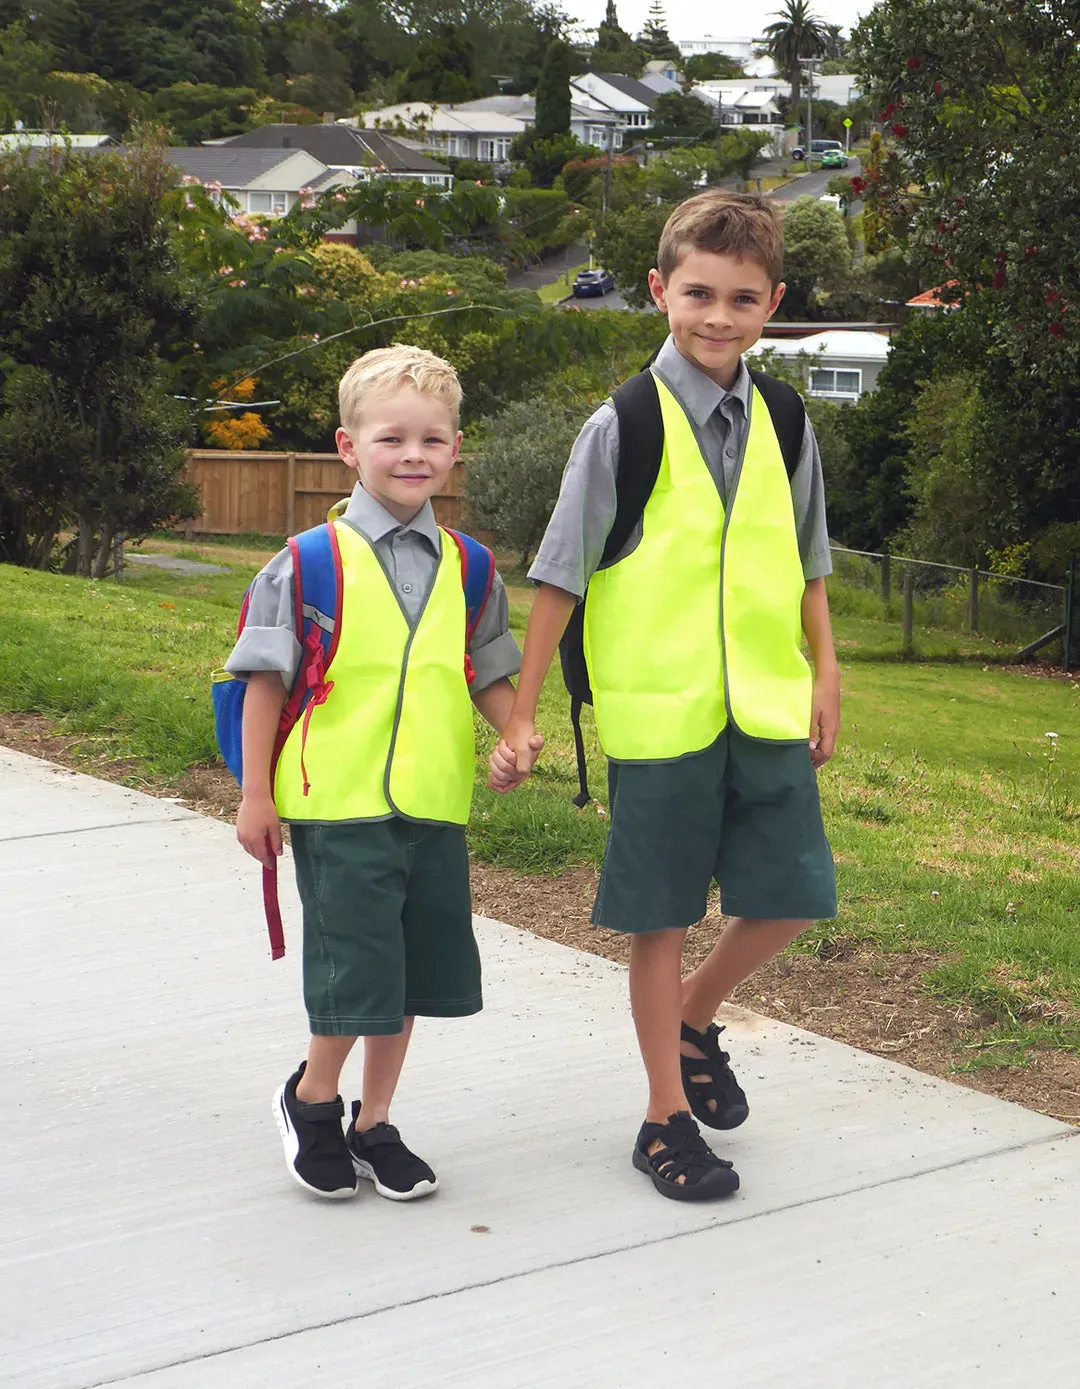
(512,483)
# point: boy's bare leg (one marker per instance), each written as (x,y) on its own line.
(746,944)
(656,1004)
(383,1060)
(321,1080)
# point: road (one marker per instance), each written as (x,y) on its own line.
(813,185)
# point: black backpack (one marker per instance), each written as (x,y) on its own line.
(641,448)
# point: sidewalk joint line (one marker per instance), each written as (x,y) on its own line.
(92,829)
(136,1375)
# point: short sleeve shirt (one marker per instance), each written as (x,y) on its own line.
(585,511)
(409,555)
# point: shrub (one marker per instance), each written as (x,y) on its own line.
(512,483)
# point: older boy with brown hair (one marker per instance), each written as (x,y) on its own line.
(704,703)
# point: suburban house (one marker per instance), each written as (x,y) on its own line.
(930,301)
(365,154)
(662,75)
(627,99)
(590,126)
(837,364)
(843,88)
(461,131)
(264,182)
(744,105)
(47,139)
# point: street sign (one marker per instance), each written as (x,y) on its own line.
(847,122)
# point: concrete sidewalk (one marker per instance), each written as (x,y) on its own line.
(892,1230)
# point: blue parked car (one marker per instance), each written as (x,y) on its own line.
(593,284)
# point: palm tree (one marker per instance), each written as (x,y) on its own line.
(797,33)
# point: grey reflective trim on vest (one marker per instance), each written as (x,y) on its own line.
(320,619)
(414,627)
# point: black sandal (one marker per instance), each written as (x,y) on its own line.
(683,1153)
(709,1077)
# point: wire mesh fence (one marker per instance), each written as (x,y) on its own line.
(1025,617)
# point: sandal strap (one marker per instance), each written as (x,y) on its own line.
(683,1151)
(707,1042)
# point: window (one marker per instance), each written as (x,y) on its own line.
(277,204)
(596,136)
(492,151)
(458,145)
(830,381)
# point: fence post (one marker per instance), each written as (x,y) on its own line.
(290,494)
(973,601)
(909,612)
(885,580)
(1070,614)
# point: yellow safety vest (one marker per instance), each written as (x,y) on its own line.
(701,623)
(395,734)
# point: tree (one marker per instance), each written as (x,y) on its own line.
(816,253)
(711,67)
(626,243)
(654,39)
(553,93)
(614,49)
(91,440)
(24,75)
(795,33)
(544,159)
(682,114)
(198,111)
(443,69)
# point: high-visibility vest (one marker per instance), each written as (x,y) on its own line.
(395,733)
(701,623)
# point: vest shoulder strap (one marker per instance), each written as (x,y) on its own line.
(788,414)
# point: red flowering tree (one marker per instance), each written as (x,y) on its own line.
(977,101)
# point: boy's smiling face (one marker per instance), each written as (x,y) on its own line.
(403,447)
(716,307)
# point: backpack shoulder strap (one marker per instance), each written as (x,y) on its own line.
(641,447)
(317,586)
(477,576)
(788,414)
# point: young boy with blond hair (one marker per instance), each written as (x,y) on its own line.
(376,781)
(705,706)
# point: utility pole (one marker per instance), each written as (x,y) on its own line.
(809,64)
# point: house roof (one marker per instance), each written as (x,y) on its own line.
(339,147)
(629,86)
(844,343)
(658,83)
(46,139)
(225,164)
(445,120)
(931,298)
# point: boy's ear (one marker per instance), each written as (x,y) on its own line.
(346,449)
(774,303)
(457,444)
(657,290)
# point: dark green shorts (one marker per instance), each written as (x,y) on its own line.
(742,812)
(387,925)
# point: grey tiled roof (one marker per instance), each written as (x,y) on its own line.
(631,87)
(339,146)
(224,164)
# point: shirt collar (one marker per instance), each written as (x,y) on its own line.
(697,393)
(372,519)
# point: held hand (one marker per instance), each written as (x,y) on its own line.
(825,721)
(514,755)
(259,830)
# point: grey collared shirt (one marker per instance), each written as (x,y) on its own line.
(409,554)
(585,511)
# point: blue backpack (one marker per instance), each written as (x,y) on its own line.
(317,590)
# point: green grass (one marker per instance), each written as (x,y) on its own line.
(954,819)
(560,288)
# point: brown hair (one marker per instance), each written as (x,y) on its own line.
(728,224)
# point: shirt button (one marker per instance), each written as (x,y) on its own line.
(406,588)
(399,537)
(729,453)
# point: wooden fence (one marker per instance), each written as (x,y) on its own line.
(283,493)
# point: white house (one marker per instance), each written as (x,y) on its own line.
(837,364)
(744,105)
(627,99)
(590,125)
(48,139)
(843,88)
(484,134)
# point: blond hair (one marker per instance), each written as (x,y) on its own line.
(385,370)
(728,224)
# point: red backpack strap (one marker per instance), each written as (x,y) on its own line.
(477,577)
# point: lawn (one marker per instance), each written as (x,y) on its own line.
(954,816)
(560,288)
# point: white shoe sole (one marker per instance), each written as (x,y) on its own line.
(365,1170)
(290,1141)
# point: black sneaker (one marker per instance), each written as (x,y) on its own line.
(315,1151)
(379,1155)
(683,1153)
